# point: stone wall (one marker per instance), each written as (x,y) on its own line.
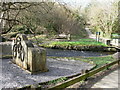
(6,48)
(115,42)
(112,42)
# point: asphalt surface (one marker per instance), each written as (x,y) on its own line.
(108,81)
(14,76)
(75,53)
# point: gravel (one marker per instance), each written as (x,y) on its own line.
(13,76)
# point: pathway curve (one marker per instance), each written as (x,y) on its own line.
(14,76)
(90,33)
(102,81)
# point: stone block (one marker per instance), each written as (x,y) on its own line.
(38,56)
(20,50)
(27,56)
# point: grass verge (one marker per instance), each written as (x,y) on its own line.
(81,42)
(98,61)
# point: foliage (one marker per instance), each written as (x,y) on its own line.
(57,80)
(116,26)
(100,61)
(21,29)
(116,36)
(41,17)
(103,17)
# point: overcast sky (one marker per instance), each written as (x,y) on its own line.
(71,2)
(78,3)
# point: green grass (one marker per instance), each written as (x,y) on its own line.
(115,36)
(57,80)
(99,61)
(81,42)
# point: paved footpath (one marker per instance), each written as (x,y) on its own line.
(109,81)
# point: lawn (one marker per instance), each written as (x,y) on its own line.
(98,61)
(81,42)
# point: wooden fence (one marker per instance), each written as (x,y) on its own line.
(83,76)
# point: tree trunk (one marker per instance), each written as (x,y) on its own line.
(2,21)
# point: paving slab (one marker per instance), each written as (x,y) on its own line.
(13,76)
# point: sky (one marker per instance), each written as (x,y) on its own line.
(77,3)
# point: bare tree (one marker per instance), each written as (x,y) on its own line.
(103,17)
(55,17)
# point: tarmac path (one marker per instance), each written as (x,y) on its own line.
(109,81)
(104,81)
(13,76)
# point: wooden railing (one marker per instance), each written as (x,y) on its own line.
(83,76)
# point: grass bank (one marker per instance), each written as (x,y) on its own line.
(81,44)
(98,61)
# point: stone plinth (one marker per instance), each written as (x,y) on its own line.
(27,56)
